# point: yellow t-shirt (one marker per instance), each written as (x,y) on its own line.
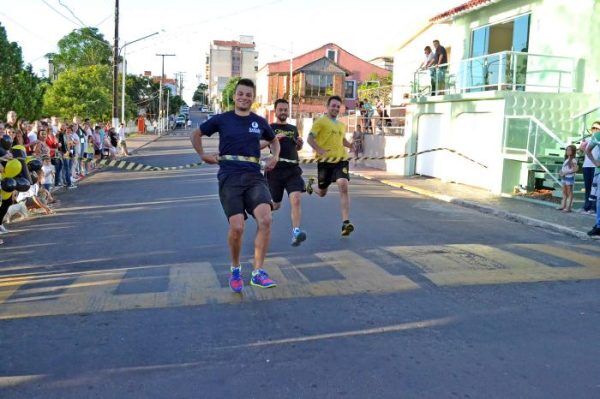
(329,135)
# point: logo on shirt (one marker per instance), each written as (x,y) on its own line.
(254,128)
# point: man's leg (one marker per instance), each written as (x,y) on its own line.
(296,209)
(262,214)
(344,198)
(234,238)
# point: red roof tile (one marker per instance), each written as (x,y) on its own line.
(461,9)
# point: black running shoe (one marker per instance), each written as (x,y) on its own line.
(347,228)
(309,183)
(595,231)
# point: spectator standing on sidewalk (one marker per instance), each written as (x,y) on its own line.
(123,140)
(52,142)
(595,142)
(589,169)
(48,173)
(567,174)
(75,153)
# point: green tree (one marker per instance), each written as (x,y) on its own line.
(200,93)
(83,91)
(227,95)
(175,102)
(20,89)
(141,92)
(80,48)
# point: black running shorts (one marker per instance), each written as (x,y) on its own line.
(330,172)
(286,178)
(243,192)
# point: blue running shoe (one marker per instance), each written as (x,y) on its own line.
(235,280)
(298,236)
(261,279)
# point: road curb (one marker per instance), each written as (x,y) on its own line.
(515,217)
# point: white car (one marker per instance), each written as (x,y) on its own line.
(204,109)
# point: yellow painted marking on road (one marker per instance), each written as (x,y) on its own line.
(577,257)
(472,264)
(361,275)
(193,284)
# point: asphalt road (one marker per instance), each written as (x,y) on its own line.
(123,294)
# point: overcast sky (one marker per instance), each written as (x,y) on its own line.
(365,28)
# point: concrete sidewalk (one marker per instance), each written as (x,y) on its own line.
(137,141)
(527,212)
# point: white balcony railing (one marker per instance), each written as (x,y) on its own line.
(507,70)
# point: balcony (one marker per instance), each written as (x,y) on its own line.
(503,71)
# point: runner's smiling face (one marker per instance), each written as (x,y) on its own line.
(333,109)
(244,96)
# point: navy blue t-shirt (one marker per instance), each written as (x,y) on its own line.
(238,135)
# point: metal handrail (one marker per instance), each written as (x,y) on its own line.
(525,151)
(541,124)
(503,66)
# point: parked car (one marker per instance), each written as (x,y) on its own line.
(180,121)
(204,108)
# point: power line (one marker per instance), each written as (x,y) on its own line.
(104,20)
(59,13)
(72,13)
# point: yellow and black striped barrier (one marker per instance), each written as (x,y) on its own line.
(135,166)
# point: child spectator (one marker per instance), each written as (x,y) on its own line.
(48,173)
(567,173)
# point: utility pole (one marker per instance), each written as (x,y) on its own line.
(124,72)
(115,118)
(168,98)
(180,83)
(160,93)
(291,79)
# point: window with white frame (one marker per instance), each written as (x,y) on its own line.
(331,54)
(350,89)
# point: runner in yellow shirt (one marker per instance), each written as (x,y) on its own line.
(327,138)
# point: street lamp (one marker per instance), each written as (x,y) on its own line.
(125,71)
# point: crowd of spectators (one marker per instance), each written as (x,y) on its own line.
(68,152)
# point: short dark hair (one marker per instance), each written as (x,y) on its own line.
(336,98)
(247,83)
(280,101)
(436,41)
(427,48)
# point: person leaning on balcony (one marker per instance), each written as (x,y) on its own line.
(441,59)
(595,142)
(428,63)
(589,206)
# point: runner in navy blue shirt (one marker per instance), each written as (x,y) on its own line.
(242,187)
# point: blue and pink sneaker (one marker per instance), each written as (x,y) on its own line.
(235,280)
(261,279)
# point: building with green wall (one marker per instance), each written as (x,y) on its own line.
(522,81)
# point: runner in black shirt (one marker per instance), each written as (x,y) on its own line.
(286,175)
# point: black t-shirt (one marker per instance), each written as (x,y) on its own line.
(441,50)
(288,143)
(238,135)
